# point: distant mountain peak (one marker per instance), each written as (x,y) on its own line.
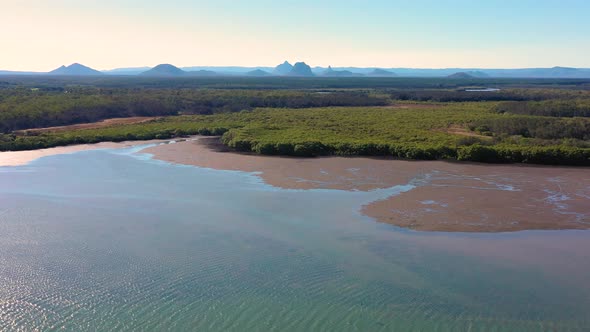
(257,72)
(201,73)
(339,73)
(460,74)
(378,72)
(477,73)
(164,69)
(301,69)
(283,69)
(75,69)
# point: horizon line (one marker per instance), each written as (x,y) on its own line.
(312,66)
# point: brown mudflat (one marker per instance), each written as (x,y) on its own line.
(453,197)
(459,208)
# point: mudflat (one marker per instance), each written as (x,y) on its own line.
(450,197)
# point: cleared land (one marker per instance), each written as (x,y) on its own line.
(93,125)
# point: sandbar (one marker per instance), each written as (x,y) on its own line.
(20,158)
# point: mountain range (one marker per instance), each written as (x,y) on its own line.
(301,69)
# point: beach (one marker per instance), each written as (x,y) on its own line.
(19,158)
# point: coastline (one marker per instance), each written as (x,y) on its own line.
(450,197)
(21,158)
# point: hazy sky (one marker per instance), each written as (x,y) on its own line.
(44,34)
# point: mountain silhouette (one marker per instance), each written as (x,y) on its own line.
(283,69)
(258,73)
(377,72)
(460,75)
(477,73)
(75,69)
(164,70)
(202,73)
(339,73)
(301,69)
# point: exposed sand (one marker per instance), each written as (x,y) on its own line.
(454,197)
(18,158)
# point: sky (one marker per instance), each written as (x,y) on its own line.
(40,35)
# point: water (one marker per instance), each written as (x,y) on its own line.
(483,90)
(110,240)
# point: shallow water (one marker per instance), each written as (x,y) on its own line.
(112,240)
(483,90)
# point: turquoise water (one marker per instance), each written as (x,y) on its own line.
(111,240)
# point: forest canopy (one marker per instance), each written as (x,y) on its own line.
(515,124)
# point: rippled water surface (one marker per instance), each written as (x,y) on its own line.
(110,240)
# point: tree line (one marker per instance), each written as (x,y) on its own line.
(369,131)
(511,94)
(575,107)
(25,108)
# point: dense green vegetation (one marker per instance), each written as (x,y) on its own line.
(458,95)
(534,127)
(570,107)
(528,125)
(25,108)
(290,83)
(414,133)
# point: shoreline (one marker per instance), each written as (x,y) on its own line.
(22,158)
(450,197)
